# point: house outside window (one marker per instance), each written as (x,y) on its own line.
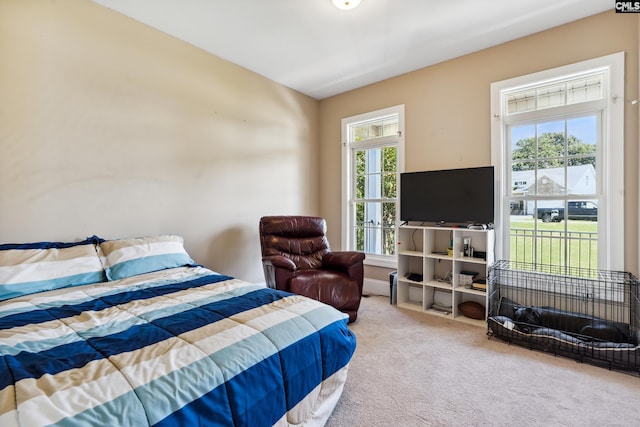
(372,160)
(557,145)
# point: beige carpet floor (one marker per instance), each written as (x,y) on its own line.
(414,369)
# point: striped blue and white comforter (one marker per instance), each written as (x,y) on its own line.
(181,347)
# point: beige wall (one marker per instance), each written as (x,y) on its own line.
(447,108)
(109,127)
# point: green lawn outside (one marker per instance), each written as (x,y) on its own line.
(550,248)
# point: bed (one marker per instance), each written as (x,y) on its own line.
(133,332)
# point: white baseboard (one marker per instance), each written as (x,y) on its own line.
(375,287)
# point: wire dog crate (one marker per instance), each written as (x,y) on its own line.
(590,315)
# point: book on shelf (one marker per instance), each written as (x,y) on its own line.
(479,286)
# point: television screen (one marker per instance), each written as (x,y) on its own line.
(448,196)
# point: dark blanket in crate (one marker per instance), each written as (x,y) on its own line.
(565,332)
(582,326)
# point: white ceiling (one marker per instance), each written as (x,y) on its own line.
(314,48)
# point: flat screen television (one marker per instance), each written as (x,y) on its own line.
(455,196)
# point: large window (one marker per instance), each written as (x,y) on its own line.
(372,160)
(557,145)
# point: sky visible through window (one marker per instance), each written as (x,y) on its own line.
(583,128)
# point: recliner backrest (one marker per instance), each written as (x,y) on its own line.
(302,239)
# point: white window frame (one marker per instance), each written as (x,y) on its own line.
(348,174)
(610,155)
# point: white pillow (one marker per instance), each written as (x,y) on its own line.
(130,257)
(27,268)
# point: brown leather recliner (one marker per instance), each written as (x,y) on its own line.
(296,258)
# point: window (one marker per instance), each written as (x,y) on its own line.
(372,159)
(557,145)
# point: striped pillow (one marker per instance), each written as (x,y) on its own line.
(27,268)
(130,257)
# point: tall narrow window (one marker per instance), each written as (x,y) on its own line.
(557,145)
(372,160)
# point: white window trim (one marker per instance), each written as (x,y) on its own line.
(347,179)
(611,248)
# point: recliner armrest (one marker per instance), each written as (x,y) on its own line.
(342,259)
(278,270)
(348,262)
(279,261)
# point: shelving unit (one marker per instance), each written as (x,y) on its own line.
(437,254)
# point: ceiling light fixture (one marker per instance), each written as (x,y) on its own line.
(345,4)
